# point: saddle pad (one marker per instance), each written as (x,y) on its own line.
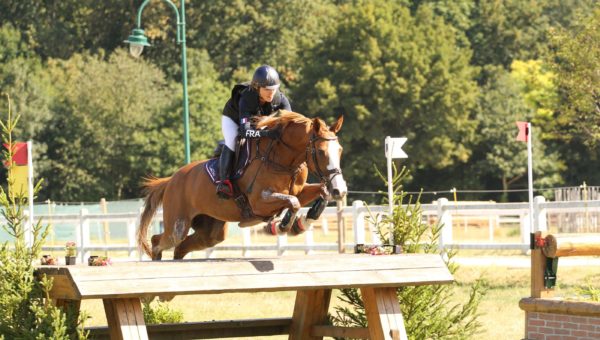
(212,165)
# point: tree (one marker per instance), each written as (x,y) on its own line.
(577,64)
(24,77)
(575,59)
(98,137)
(504,30)
(498,158)
(391,73)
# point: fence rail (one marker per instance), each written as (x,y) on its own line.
(581,216)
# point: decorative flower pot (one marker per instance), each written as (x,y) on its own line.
(70,260)
(91,260)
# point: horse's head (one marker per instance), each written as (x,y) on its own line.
(316,141)
(324,153)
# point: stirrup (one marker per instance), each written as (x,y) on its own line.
(225,189)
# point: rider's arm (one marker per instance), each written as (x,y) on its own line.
(285,103)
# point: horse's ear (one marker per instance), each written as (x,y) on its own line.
(316,124)
(335,127)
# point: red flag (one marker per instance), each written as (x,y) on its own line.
(20,153)
(523,131)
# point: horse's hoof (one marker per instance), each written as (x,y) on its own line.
(284,228)
(299,226)
(271,228)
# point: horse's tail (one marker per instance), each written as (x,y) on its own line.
(154,188)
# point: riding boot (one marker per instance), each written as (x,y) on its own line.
(224,186)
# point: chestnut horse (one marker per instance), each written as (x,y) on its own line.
(273,181)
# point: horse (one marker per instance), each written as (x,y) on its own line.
(275,180)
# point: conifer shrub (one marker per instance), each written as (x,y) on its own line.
(26,311)
(429,311)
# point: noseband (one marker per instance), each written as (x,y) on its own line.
(312,148)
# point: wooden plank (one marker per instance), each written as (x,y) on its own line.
(208,330)
(383,314)
(340,332)
(227,267)
(139,318)
(538,266)
(264,282)
(310,309)
(572,245)
(125,319)
(111,318)
(63,287)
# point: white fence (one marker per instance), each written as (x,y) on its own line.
(453,215)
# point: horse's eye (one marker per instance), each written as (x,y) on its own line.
(322,153)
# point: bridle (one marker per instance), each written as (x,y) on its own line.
(324,176)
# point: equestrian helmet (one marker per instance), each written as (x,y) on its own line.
(265,76)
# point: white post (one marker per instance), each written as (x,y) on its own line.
(530,174)
(359,222)
(445,218)
(491,228)
(30,223)
(526,228)
(246,241)
(83,235)
(388,155)
(281,244)
(131,226)
(309,240)
(324,224)
(540,214)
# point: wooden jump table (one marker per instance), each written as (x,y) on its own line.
(122,285)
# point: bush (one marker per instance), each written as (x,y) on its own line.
(161,313)
(25,309)
(429,312)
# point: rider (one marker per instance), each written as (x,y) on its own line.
(259,98)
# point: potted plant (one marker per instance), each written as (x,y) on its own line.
(71,248)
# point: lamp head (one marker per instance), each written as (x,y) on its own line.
(137,40)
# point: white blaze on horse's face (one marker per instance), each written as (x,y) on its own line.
(338,184)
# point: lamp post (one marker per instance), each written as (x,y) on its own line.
(137,40)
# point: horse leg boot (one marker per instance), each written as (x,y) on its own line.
(224,187)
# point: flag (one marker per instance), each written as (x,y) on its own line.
(20,169)
(523,135)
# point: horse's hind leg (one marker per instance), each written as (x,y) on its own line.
(207,233)
(175,233)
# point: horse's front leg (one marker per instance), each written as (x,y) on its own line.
(309,193)
(292,203)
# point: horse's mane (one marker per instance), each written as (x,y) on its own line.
(282,119)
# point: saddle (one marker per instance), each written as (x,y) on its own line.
(241,162)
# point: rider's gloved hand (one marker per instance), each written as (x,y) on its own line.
(273,133)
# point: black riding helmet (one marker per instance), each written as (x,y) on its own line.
(265,76)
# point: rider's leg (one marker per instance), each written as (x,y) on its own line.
(224,187)
(230,132)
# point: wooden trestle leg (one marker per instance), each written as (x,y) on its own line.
(125,319)
(383,314)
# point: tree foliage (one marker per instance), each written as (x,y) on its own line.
(393,74)
(422,69)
